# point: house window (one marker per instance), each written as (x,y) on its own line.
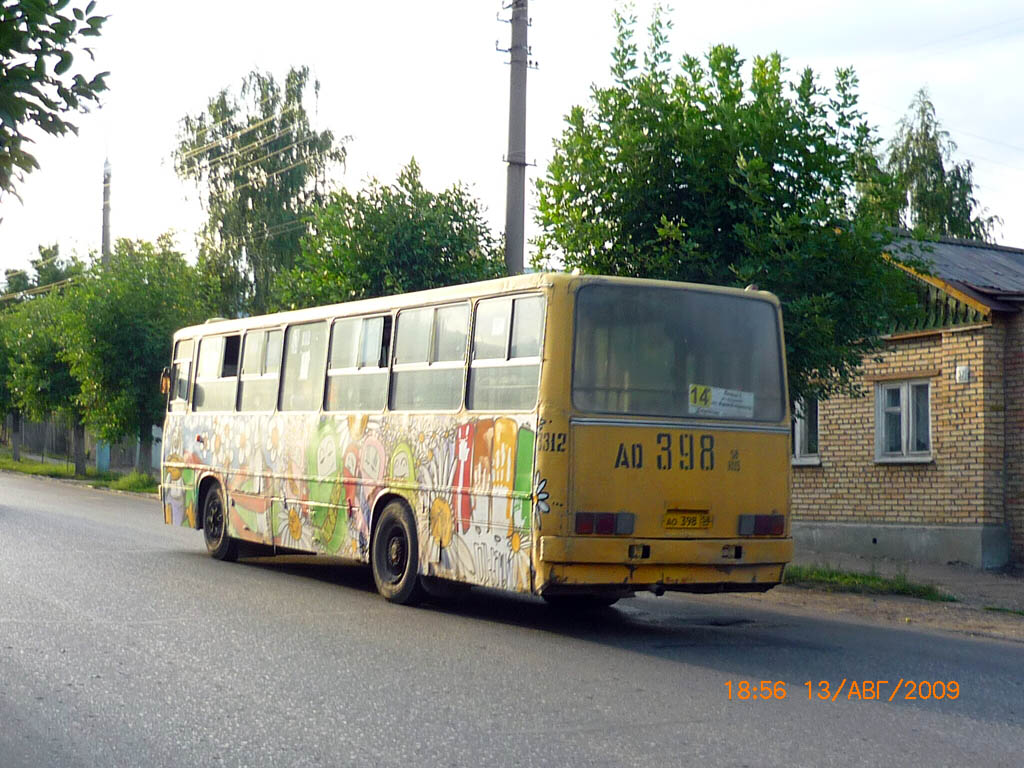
(805,432)
(903,421)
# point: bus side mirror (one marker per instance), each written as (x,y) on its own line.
(165,381)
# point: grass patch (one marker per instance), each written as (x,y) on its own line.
(834,580)
(48,469)
(997,609)
(135,481)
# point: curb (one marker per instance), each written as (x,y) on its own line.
(155,495)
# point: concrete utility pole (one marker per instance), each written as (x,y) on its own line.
(102,448)
(105,247)
(515,197)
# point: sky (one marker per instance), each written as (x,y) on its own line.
(406,78)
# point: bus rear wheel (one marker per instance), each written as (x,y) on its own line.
(215,526)
(395,555)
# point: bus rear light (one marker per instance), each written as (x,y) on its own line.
(584,522)
(762,525)
(605,523)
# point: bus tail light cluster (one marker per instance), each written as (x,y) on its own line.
(762,525)
(605,523)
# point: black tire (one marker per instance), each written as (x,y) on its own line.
(581,603)
(215,526)
(395,555)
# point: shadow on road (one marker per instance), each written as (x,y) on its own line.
(654,625)
(328,570)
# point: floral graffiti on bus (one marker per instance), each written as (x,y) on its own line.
(310,483)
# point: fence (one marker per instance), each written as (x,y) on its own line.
(52,439)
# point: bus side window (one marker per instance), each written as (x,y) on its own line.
(357,366)
(261,363)
(505,369)
(216,373)
(305,359)
(430,358)
(232,346)
(181,370)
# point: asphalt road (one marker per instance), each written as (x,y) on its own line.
(123,644)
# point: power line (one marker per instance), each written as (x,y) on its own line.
(951,130)
(211,126)
(307,159)
(297,227)
(990,161)
(286,224)
(35,291)
(236,134)
(280,228)
(271,154)
(1001,24)
(8,272)
(245,148)
(990,141)
(261,102)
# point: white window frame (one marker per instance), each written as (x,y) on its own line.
(507,360)
(317,399)
(907,423)
(431,363)
(360,369)
(262,375)
(176,403)
(219,378)
(800,456)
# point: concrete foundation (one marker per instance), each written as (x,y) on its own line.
(982,546)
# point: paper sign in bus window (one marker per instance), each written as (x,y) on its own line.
(721,403)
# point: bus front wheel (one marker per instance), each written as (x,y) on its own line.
(215,526)
(395,555)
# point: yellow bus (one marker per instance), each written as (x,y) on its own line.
(580,438)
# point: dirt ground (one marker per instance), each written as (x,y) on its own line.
(977,592)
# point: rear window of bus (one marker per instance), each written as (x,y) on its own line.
(655,351)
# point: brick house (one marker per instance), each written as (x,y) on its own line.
(929,463)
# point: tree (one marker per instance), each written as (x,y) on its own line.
(392,239)
(260,167)
(37,86)
(931,193)
(118,329)
(50,268)
(39,377)
(699,176)
(16,281)
(7,404)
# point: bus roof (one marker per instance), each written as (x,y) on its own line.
(459,292)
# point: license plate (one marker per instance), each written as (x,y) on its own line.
(687,520)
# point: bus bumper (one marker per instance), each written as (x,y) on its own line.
(575,564)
